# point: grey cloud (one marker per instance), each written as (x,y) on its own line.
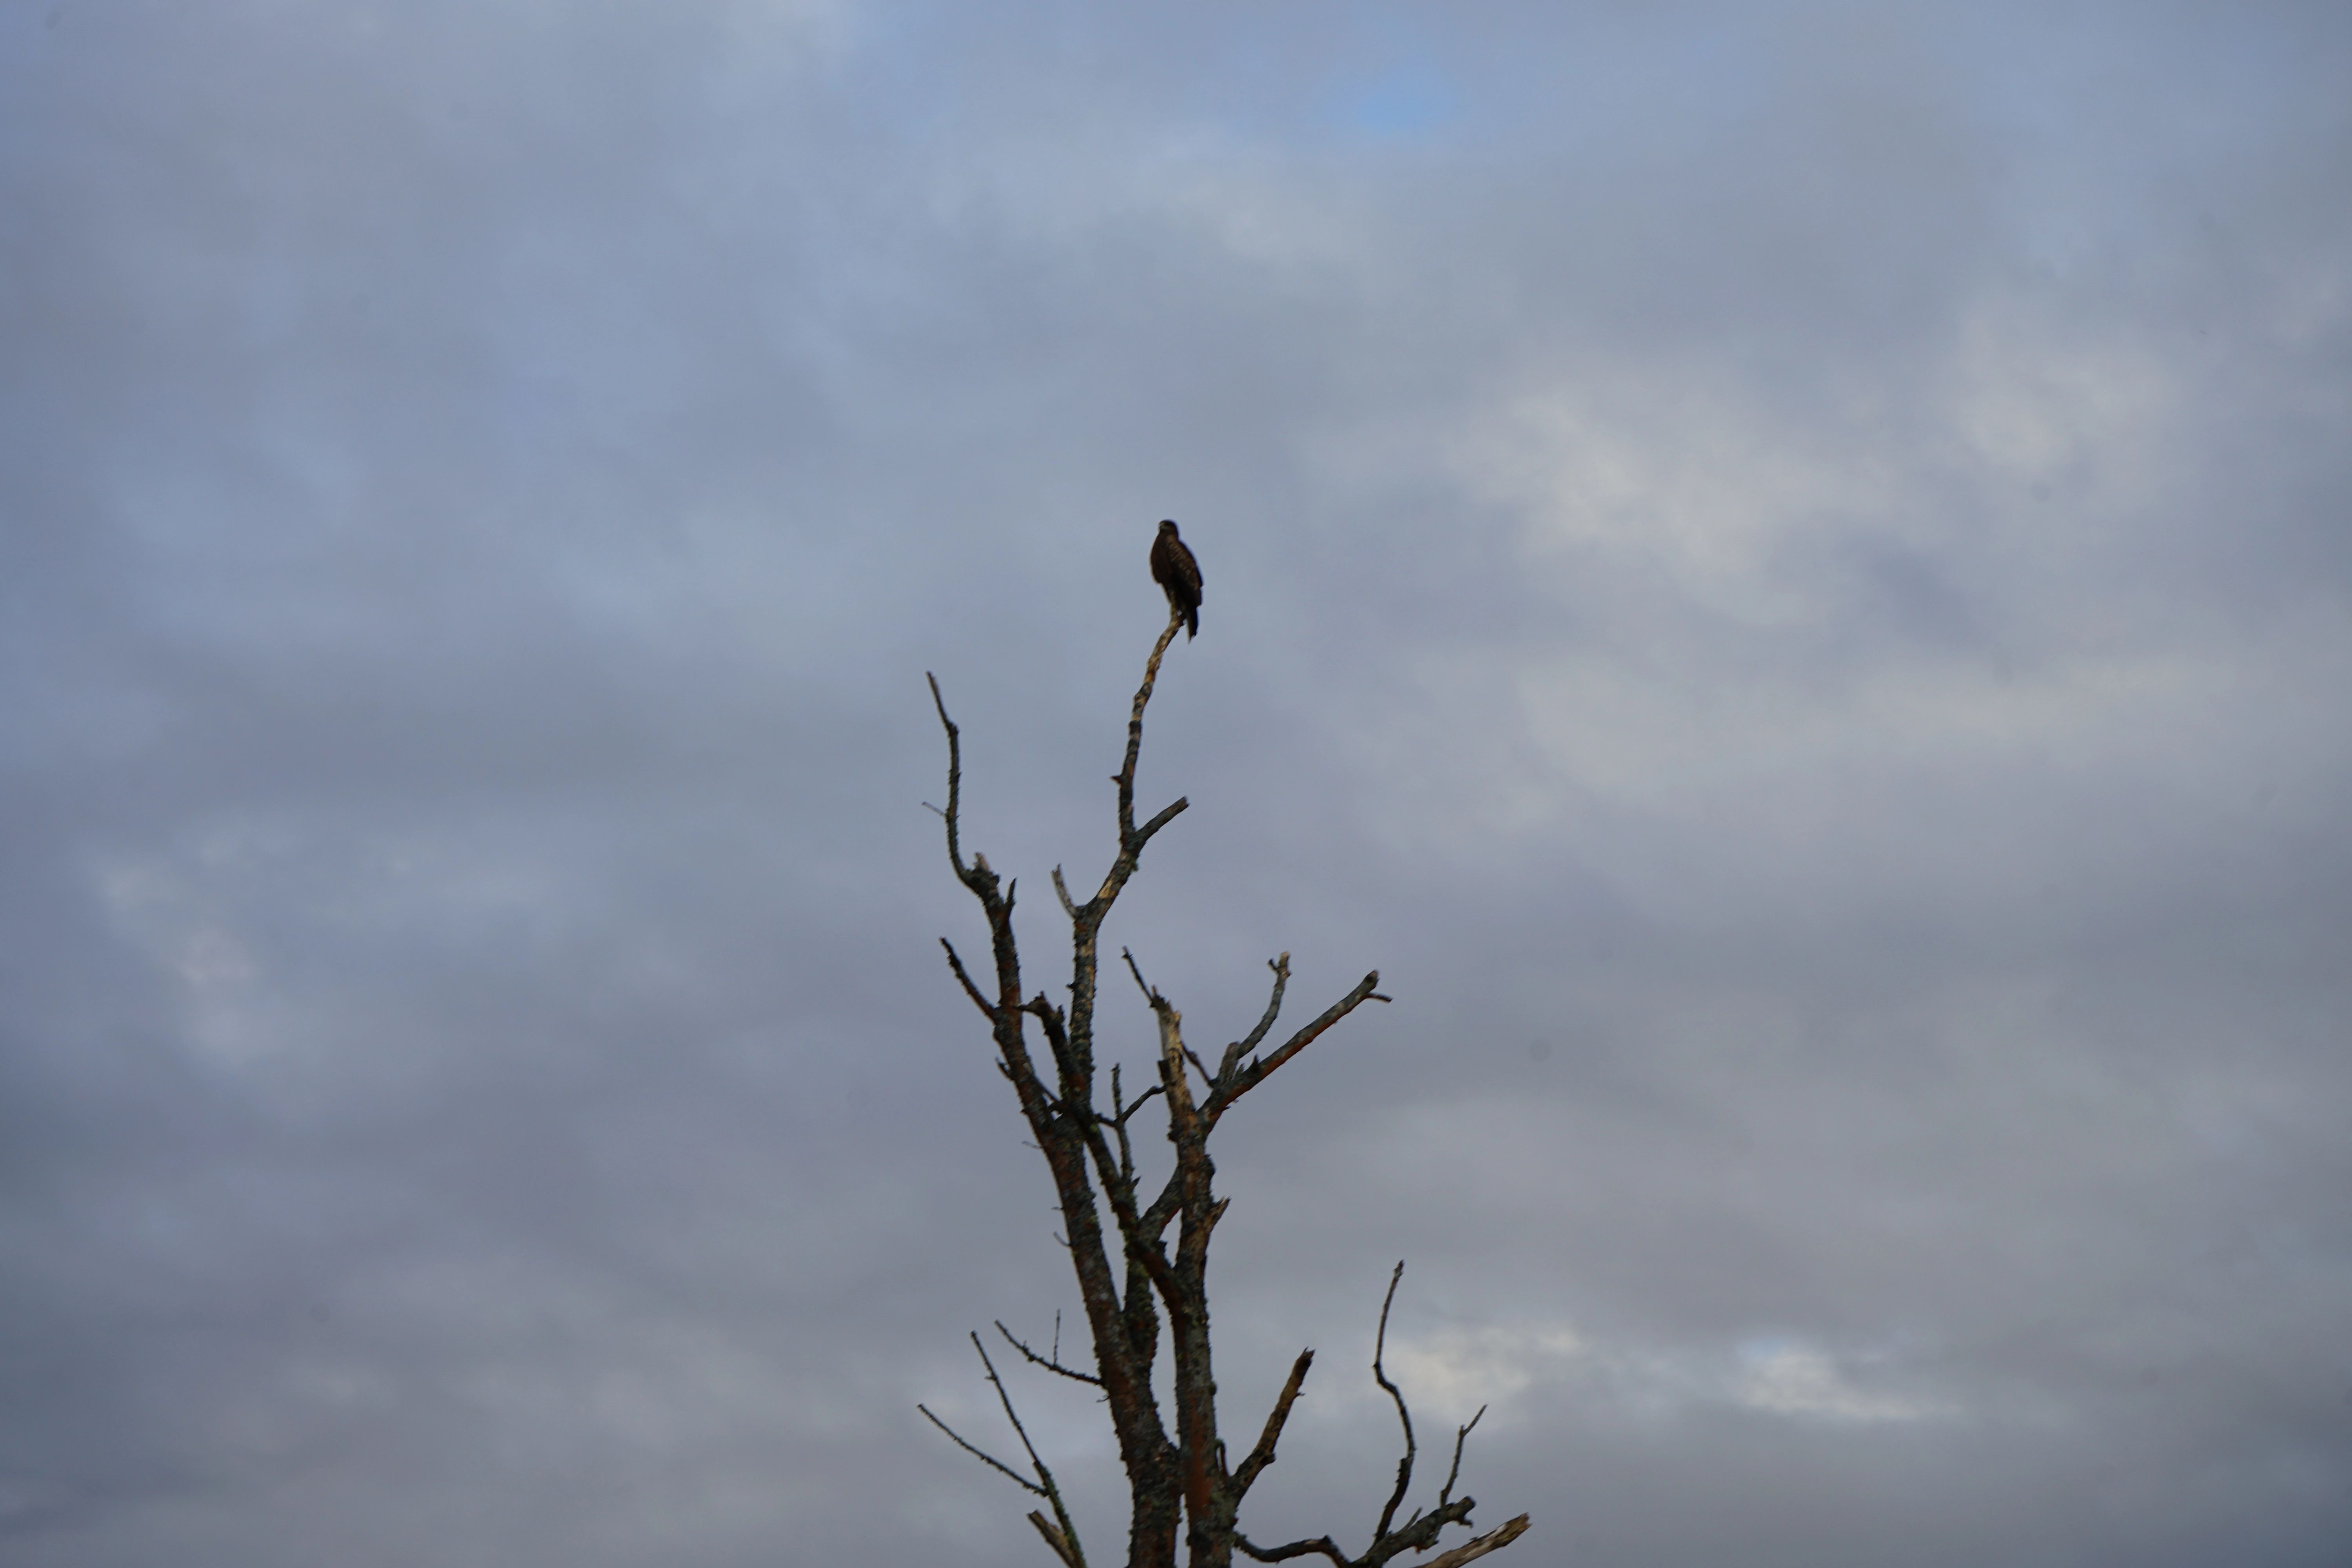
(1783,576)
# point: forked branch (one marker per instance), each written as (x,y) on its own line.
(1418,1533)
(1053,1363)
(1248,1076)
(1059,1534)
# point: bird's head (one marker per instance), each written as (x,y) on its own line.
(1168,528)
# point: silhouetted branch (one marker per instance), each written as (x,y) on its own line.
(1063,1540)
(1140,983)
(1125,777)
(1263,1455)
(1418,1533)
(955,961)
(1249,1042)
(1259,1069)
(1405,1465)
(955,772)
(1120,1117)
(1322,1543)
(991,1460)
(1454,1474)
(1051,1363)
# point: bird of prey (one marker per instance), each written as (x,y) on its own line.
(1173,568)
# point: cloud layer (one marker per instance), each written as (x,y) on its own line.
(1782,572)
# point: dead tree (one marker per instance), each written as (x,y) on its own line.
(1128,1277)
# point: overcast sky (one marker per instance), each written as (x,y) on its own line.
(1784,572)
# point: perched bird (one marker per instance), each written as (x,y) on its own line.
(1173,568)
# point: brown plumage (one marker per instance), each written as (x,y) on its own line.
(1173,568)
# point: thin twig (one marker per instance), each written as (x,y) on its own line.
(1045,1487)
(1005,1399)
(1140,984)
(1140,1101)
(1051,1362)
(955,964)
(1249,1042)
(955,774)
(1405,1465)
(991,1460)
(1460,1434)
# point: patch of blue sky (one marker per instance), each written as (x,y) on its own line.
(1585,83)
(1410,103)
